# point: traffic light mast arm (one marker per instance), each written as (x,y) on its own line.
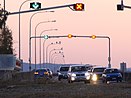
(27,11)
(127,7)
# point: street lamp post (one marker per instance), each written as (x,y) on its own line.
(40,42)
(35,34)
(51,52)
(35,44)
(30,36)
(56,57)
(48,47)
(20,28)
(44,52)
(55,54)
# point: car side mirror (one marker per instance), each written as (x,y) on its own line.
(58,71)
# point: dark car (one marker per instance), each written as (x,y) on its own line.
(111,74)
(50,73)
(62,72)
(41,73)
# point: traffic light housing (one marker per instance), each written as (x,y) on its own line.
(70,35)
(35,5)
(93,36)
(120,7)
(78,7)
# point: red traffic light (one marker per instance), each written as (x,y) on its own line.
(78,7)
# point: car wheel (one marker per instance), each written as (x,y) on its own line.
(87,81)
(69,81)
(120,80)
(103,80)
(59,79)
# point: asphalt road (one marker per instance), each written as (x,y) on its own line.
(62,89)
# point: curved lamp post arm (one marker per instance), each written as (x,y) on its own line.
(20,35)
(40,42)
(51,52)
(56,54)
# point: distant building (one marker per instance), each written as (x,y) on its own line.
(123,67)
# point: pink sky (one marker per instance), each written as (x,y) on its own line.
(99,18)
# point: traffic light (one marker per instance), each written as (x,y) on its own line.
(120,7)
(70,35)
(46,36)
(35,5)
(78,7)
(93,36)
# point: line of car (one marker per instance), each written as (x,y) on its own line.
(77,73)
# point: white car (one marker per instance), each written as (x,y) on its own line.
(96,73)
(78,73)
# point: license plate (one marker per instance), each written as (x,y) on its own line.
(113,78)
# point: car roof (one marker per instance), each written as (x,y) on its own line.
(64,66)
(111,68)
(77,65)
(41,69)
(99,67)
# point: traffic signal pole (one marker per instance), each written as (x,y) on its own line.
(121,6)
(79,7)
(102,37)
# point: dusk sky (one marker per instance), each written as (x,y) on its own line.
(100,17)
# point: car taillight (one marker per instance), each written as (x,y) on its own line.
(46,73)
(36,73)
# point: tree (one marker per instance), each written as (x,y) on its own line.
(6,44)
(3,18)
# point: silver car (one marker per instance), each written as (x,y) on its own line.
(78,73)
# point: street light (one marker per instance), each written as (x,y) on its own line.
(40,42)
(51,52)
(35,43)
(30,36)
(35,34)
(55,54)
(20,29)
(58,57)
(48,47)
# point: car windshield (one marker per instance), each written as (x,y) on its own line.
(78,68)
(98,70)
(112,71)
(64,68)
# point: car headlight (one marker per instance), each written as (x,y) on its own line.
(87,74)
(59,73)
(73,75)
(94,77)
